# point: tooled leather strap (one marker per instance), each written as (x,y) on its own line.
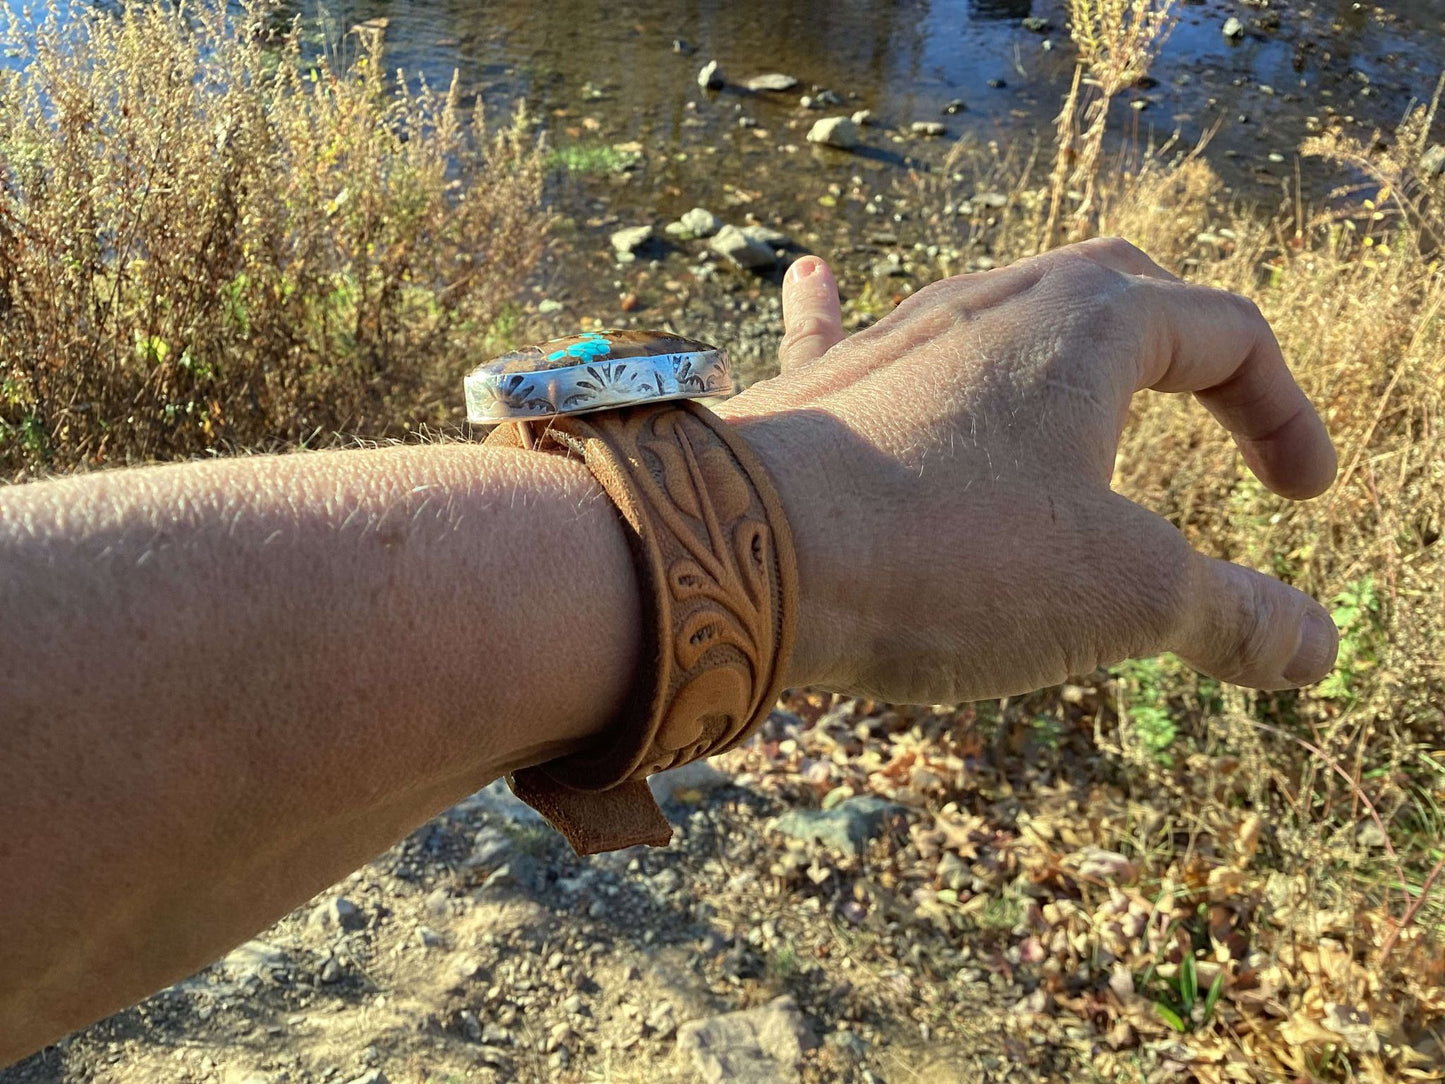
(720,596)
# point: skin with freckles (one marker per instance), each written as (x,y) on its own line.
(225,685)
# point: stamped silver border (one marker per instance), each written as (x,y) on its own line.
(595,385)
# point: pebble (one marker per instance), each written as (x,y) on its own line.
(548,307)
(338,914)
(958,105)
(834,132)
(1233,28)
(763,1045)
(927,128)
(700,222)
(698,779)
(848,826)
(630,239)
(863,118)
(1037,25)
(491,846)
(746,252)
(711,76)
(772,81)
(371,1076)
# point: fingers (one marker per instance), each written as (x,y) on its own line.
(1252,630)
(1231,622)
(1218,346)
(812,318)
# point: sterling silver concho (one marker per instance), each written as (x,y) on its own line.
(595,371)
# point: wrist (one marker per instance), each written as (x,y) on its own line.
(824,534)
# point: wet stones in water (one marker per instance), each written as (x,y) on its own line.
(748,252)
(711,76)
(998,84)
(848,826)
(631,239)
(863,118)
(699,222)
(684,48)
(834,132)
(1233,28)
(821,100)
(772,81)
(1037,25)
(958,105)
(929,128)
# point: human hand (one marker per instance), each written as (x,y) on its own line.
(946,473)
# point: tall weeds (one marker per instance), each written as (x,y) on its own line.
(211,238)
(1116,42)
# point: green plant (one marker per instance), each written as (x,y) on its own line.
(591,158)
(1356,614)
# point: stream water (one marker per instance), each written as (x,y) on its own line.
(624,73)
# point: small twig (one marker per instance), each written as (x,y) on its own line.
(1410,911)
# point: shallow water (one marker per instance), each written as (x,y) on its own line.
(624,72)
(904,60)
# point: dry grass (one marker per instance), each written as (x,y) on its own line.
(213,238)
(1337,900)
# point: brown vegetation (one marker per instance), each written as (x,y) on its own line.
(1332,968)
(214,236)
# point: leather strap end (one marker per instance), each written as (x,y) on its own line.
(594,821)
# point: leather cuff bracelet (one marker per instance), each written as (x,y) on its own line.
(718,581)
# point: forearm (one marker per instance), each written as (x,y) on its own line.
(224,686)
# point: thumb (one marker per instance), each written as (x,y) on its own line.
(1250,629)
(812,319)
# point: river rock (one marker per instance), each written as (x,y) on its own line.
(256,960)
(863,118)
(631,239)
(848,826)
(767,235)
(745,251)
(682,784)
(953,108)
(926,128)
(497,799)
(548,306)
(1432,162)
(700,222)
(758,1046)
(1037,25)
(835,132)
(338,914)
(772,81)
(711,76)
(1233,28)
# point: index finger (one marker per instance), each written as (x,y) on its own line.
(1219,346)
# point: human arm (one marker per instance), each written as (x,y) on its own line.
(203,721)
(226,685)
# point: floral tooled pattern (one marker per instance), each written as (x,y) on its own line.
(723,585)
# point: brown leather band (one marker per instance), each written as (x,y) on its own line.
(720,596)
